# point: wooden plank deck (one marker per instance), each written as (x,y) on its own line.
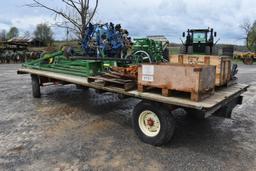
(114,82)
(214,101)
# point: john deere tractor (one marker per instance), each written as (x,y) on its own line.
(199,41)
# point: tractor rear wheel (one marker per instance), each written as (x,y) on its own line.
(190,50)
(183,50)
(215,50)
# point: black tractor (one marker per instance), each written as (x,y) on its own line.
(199,41)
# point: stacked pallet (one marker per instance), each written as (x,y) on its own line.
(222,63)
(198,80)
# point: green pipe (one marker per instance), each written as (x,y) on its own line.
(70,66)
(64,72)
(68,69)
(45,57)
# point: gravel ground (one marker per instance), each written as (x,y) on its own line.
(70,129)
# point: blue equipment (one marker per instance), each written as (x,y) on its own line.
(103,40)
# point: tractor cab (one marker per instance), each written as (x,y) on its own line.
(199,41)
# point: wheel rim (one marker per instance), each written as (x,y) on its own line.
(248,61)
(142,57)
(149,123)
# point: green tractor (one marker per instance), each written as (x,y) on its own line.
(199,41)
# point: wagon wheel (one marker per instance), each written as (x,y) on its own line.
(142,57)
(248,61)
(153,123)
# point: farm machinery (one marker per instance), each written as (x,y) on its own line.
(109,40)
(200,48)
(57,62)
(13,52)
(103,40)
(105,46)
(248,58)
(199,41)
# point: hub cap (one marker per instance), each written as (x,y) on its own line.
(149,123)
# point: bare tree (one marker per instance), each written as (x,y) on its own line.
(78,13)
(246,27)
(250,35)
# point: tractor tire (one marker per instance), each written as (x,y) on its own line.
(183,50)
(190,50)
(35,86)
(207,50)
(215,50)
(166,54)
(153,123)
(248,61)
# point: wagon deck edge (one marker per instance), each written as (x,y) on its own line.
(211,104)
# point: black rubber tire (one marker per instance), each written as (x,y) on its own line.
(215,50)
(167,122)
(183,50)
(166,54)
(190,50)
(82,87)
(225,111)
(207,50)
(195,114)
(248,61)
(35,86)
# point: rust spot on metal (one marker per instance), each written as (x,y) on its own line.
(150,122)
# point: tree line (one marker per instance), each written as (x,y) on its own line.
(250,34)
(42,33)
(76,16)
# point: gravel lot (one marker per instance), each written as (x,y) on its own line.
(71,129)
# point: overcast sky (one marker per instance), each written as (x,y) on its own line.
(146,17)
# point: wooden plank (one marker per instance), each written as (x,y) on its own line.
(207,104)
(125,84)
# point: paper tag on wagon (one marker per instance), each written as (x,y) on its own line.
(149,78)
(148,73)
(148,70)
